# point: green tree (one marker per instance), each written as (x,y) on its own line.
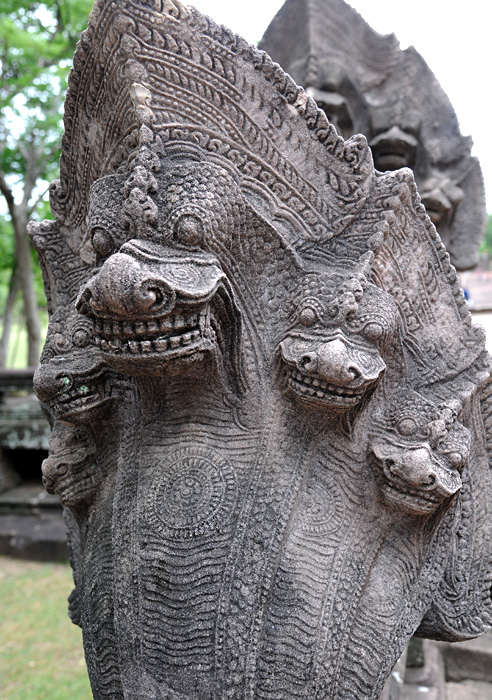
(37,41)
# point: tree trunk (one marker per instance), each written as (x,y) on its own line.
(19,217)
(8,316)
(26,278)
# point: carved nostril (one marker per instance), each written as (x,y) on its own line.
(64,383)
(354,372)
(48,483)
(153,296)
(305,361)
(389,464)
(84,303)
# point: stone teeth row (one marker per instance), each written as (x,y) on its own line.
(303,389)
(77,392)
(127,329)
(318,393)
(407,490)
(311,381)
(139,347)
(304,379)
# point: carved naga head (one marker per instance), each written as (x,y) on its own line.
(71,471)
(334,351)
(158,301)
(417,451)
(73,380)
(154,306)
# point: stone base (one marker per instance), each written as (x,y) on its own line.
(444,671)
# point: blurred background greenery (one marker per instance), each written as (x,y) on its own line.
(41,656)
(37,41)
(41,653)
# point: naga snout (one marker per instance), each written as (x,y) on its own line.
(412,478)
(126,289)
(333,371)
(335,362)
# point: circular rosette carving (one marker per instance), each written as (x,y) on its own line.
(196,494)
(322,506)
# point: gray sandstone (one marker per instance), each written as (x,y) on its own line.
(271,412)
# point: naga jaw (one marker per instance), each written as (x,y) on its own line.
(411,479)
(134,347)
(82,400)
(312,388)
(75,397)
(75,486)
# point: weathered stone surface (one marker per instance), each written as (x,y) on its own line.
(270,426)
(367,84)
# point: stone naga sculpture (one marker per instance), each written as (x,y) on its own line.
(366,84)
(238,300)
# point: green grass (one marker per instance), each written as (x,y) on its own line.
(41,655)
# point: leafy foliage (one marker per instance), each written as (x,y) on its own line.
(7,258)
(37,41)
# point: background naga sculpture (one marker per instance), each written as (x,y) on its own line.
(271,411)
(366,84)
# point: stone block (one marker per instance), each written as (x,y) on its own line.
(469,660)
(469,690)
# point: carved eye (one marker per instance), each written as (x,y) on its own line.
(455,459)
(81,338)
(407,426)
(308,316)
(188,229)
(102,242)
(373,331)
(354,286)
(60,342)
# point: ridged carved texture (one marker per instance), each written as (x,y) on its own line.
(263,378)
(367,85)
